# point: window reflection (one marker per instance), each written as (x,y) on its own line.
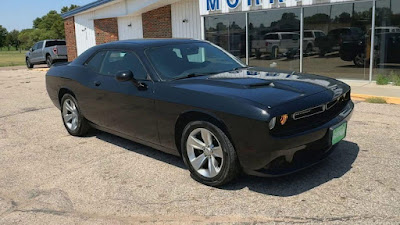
(274,39)
(336,40)
(228,32)
(387,40)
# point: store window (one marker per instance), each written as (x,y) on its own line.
(228,32)
(337,40)
(274,39)
(387,41)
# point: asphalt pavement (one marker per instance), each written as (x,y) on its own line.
(50,177)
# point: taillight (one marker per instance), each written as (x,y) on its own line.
(266,44)
(55,50)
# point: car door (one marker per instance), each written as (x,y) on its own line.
(125,108)
(37,53)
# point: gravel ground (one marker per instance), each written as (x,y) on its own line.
(49,177)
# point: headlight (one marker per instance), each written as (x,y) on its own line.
(272,123)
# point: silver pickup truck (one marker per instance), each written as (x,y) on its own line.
(47,52)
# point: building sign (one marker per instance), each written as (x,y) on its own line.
(227,6)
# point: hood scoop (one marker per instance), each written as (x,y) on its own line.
(277,85)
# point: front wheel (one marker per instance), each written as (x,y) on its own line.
(73,120)
(209,154)
(29,64)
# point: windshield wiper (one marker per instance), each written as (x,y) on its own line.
(192,75)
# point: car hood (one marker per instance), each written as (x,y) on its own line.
(270,88)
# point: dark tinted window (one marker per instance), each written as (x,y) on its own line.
(95,63)
(54,43)
(179,60)
(117,61)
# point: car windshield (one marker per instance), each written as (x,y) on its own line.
(180,60)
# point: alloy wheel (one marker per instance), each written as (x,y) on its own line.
(205,152)
(70,114)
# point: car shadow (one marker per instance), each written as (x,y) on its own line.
(138,148)
(335,166)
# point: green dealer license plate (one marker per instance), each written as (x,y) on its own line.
(339,133)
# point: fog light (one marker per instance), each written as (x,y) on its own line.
(272,123)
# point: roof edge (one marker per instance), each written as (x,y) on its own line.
(85,8)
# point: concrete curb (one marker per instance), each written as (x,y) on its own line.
(362,97)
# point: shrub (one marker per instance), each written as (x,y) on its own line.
(376,100)
(395,78)
(382,79)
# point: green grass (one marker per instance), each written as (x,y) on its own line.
(12,58)
(376,100)
(382,79)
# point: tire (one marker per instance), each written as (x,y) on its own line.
(359,60)
(309,48)
(73,120)
(29,64)
(258,54)
(222,154)
(49,61)
(275,52)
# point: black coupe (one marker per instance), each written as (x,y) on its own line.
(193,99)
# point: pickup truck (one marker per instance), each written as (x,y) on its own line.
(277,43)
(47,52)
(335,37)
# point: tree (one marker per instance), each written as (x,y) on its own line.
(12,39)
(66,8)
(3,36)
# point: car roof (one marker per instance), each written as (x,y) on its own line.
(152,42)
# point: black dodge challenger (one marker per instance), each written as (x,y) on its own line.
(193,99)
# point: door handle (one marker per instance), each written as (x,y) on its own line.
(97,83)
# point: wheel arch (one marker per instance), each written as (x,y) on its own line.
(64,91)
(196,115)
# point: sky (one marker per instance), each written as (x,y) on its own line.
(19,14)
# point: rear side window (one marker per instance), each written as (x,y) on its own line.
(117,61)
(308,34)
(271,37)
(96,61)
(54,43)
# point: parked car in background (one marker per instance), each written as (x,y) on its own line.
(309,39)
(335,37)
(276,43)
(358,50)
(193,99)
(47,52)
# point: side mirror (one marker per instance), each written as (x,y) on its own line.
(124,76)
(31,49)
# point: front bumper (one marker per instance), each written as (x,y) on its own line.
(285,155)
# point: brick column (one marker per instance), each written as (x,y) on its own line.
(106,30)
(70,38)
(157,23)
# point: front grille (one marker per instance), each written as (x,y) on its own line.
(312,117)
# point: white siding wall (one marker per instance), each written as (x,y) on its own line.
(186,10)
(84,30)
(130,32)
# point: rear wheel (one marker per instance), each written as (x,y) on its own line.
(73,120)
(49,61)
(29,64)
(359,60)
(209,154)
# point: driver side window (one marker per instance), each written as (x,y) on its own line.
(109,63)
